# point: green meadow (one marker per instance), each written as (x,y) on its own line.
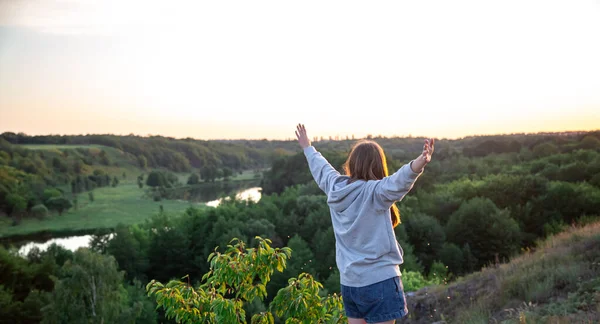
(125,204)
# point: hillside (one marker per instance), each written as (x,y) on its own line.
(178,155)
(558,282)
(103,186)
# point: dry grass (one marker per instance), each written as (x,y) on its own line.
(555,283)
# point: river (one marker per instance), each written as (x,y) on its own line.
(74,242)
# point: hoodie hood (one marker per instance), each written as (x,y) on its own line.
(344,195)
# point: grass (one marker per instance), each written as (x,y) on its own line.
(558,282)
(246,175)
(124,204)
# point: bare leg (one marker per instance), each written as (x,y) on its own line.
(356,321)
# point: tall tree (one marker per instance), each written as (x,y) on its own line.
(88,290)
(59,204)
(489,231)
(193,179)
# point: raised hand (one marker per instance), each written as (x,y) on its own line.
(427,150)
(419,163)
(302,137)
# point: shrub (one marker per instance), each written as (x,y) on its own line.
(39,211)
(236,278)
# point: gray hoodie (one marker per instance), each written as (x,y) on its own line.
(366,248)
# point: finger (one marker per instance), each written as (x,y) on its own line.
(297,136)
(303,129)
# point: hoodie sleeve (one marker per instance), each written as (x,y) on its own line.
(393,188)
(323,173)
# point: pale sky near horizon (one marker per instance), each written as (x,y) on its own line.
(253,69)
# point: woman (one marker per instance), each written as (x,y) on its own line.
(364,216)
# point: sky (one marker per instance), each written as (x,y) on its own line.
(254,69)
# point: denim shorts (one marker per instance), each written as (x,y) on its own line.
(379,302)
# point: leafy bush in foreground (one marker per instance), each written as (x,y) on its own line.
(236,278)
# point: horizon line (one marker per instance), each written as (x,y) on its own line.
(319,138)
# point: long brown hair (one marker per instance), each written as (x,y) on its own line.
(367,162)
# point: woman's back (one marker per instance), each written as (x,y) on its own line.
(366,248)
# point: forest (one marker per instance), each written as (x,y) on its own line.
(481,201)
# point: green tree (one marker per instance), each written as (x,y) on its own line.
(438,272)
(302,261)
(410,260)
(104,159)
(39,211)
(161,179)
(590,142)
(413,281)
(470,261)
(24,282)
(568,201)
(59,165)
(488,230)
(168,249)
(77,166)
(193,179)
(88,289)
(137,307)
(544,149)
(142,161)
(154,179)
(16,203)
(91,196)
(426,236)
(323,246)
(452,255)
(51,193)
(209,173)
(129,252)
(227,172)
(59,204)
(115,181)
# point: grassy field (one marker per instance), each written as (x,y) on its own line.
(246,175)
(558,282)
(124,204)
